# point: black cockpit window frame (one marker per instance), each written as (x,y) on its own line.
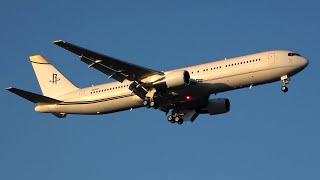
(293,54)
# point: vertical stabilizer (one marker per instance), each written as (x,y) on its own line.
(51,81)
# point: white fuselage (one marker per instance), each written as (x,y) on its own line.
(214,77)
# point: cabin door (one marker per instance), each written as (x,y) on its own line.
(81,93)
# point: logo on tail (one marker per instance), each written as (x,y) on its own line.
(55,79)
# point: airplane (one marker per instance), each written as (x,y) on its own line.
(183,94)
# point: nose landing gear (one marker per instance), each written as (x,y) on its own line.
(285,79)
(284,88)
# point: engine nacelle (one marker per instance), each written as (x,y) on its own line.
(174,79)
(217,106)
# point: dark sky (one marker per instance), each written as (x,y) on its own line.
(266,135)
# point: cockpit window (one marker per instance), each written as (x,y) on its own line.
(293,54)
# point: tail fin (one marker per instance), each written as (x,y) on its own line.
(51,81)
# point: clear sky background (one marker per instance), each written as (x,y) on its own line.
(266,135)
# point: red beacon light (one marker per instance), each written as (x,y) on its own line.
(187,98)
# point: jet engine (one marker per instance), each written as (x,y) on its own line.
(174,79)
(217,106)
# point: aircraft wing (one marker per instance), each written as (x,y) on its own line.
(114,68)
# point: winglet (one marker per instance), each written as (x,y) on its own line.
(58,41)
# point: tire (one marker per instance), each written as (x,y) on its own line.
(284,89)
(156,106)
(151,104)
(180,121)
(176,119)
(145,103)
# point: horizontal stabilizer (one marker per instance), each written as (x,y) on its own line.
(35,98)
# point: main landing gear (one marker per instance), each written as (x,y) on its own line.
(150,103)
(285,79)
(175,118)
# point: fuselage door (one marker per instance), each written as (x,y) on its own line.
(81,93)
(271,58)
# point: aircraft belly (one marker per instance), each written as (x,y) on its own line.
(122,104)
(95,108)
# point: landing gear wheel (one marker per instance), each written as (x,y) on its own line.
(170,119)
(180,121)
(145,102)
(284,88)
(155,106)
(151,103)
(176,119)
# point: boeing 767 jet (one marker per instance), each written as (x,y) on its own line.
(183,93)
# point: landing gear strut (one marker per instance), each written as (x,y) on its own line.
(285,79)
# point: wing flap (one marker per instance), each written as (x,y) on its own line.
(35,98)
(110,72)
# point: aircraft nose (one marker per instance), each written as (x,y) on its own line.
(304,62)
